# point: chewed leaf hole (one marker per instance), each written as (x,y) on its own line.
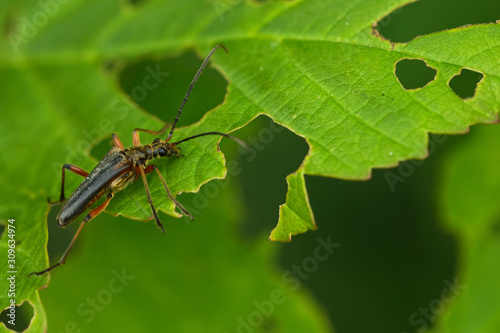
(465,83)
(18,318)
(414,73)
(158,86)
(417,18)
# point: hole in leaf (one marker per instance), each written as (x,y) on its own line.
(385,247)
(414,73)
(269,142)
(428,16)
(159,87)
(100,149)
(465,83)
(22,316)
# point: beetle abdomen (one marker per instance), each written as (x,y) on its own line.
(112,167)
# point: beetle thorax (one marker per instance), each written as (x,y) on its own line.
(143,154)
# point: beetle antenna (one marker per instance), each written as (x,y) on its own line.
(240,142)
(191,87)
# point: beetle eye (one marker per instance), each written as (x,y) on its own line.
(162,152)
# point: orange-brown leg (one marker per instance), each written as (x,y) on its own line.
(152,167)
(74,169)
(93,213)
(117,142)
(155,214)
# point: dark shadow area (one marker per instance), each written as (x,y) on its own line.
(414,73)
(100,149)
(270,1)
(109,66)
(428,16)
(465,83)
(135,3)
(22,316)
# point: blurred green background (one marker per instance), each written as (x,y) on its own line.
(397,247)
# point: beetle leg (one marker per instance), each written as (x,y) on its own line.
(152,167)
(74,169)
(157,219)
(135,138)
(162,130)
(93,213)
(117,142)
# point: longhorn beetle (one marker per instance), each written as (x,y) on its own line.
(120,167)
